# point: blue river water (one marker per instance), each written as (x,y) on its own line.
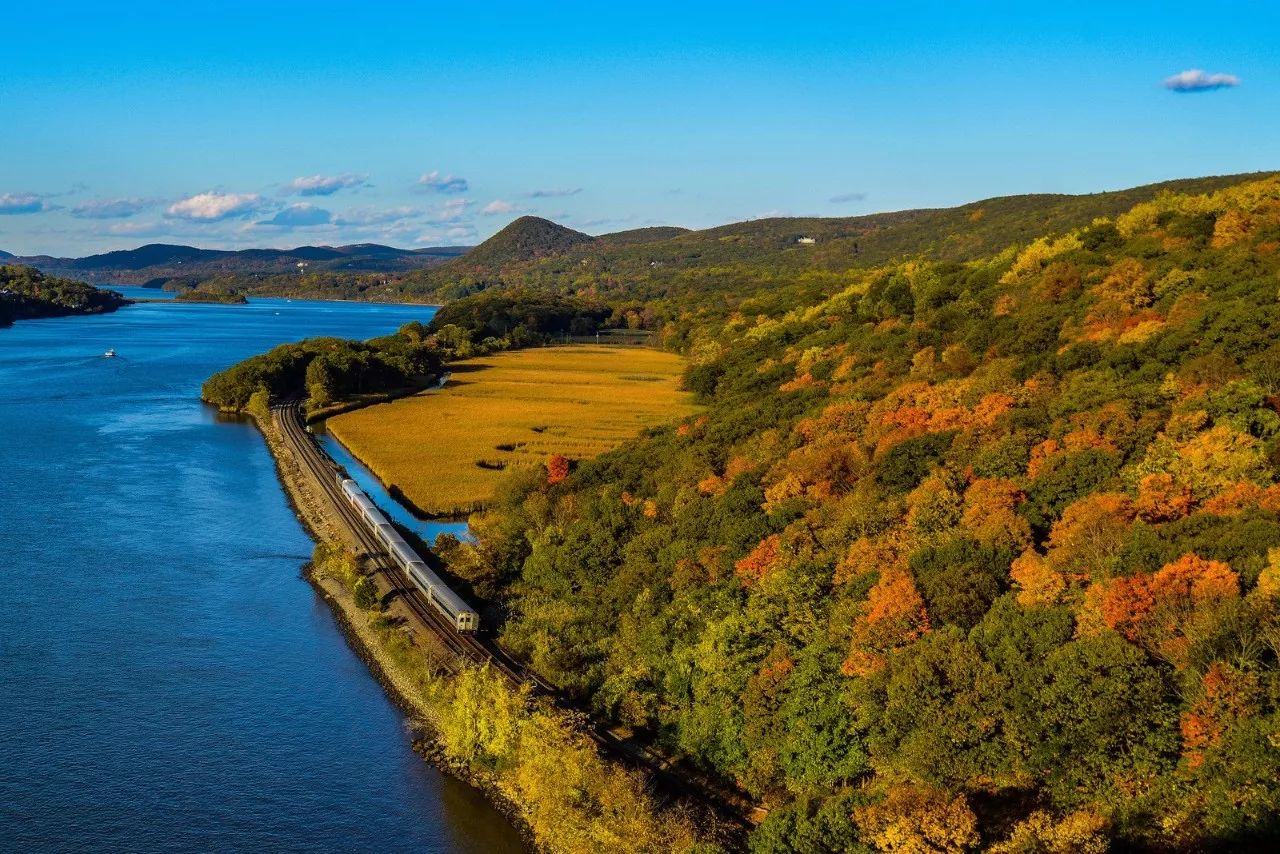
(168,682)
(427,529)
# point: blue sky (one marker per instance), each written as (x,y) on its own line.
(416,124)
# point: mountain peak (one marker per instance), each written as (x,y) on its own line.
(524,239)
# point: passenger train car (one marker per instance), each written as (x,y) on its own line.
(444,600)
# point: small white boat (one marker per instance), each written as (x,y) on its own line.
(110,354)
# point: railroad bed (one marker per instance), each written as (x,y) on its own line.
(290,423)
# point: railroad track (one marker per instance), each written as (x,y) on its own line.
(289,421)
(291,424)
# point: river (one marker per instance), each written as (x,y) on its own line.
(167,679)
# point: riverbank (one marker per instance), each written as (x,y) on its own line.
(325,528)
(533,761)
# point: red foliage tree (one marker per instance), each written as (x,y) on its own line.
(557,469)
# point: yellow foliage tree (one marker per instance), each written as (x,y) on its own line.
(917,820)
(1039,833)
(1037,256)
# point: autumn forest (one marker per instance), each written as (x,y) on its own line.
(958,554)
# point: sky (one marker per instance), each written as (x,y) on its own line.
(235,124)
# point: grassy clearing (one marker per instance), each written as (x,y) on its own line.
(446,450)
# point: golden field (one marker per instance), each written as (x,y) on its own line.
(446,450)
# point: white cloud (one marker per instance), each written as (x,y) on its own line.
(1196,80)
(434,182)
(212,207)
(110,208)
(498,206)
(847,197)
(375,216)
(21,203)
(324,185)
(297,216)
(554,193)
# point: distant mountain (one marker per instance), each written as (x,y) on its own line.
(157,262)
(741,258)
(525,239)
(4,254)
(745,258)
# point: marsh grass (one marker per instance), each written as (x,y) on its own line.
(447,450)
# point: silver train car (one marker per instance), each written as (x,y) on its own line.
(454,607)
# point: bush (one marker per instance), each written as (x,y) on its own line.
(366,594)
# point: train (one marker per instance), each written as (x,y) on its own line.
(462,616)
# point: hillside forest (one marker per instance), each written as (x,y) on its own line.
(960,554)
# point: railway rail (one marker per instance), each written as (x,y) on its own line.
(288,419)
(291,424)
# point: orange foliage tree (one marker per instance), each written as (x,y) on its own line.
(1161,499)
(1161,611)
(763,558)
(892,617)
(989,513)
(1038,582)
(1226,695)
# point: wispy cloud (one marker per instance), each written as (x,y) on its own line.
(361,217)
(451,211)
(135,229)
(299,216)
(434,182)
(454,235)
(1196,80)
(847,197)
(21,203)
(212,207)
(553,193)
(110,208)
(324,185)
(499,206)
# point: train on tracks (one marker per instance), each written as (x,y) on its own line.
(460,615)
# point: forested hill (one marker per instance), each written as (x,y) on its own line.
(158,262)
(961,556)
(526,239)
(744,259)
(26,293)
